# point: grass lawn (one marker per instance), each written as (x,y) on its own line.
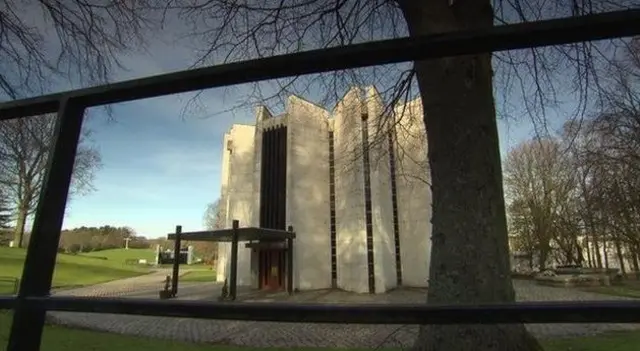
(630,287)
(65,339)
(7,286)
(200,274)
(122,255)
(618,341)
(71,270)
(619,290)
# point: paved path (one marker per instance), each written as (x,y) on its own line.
(270,334)
(148,282)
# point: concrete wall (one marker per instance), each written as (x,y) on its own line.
(351,244)
(414,194)
(224,249)
(308,206)
(263,117)
(240,197)
(381,198)
(308,192)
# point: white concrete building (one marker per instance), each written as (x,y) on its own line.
(353,185)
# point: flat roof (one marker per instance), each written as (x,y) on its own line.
(244,234)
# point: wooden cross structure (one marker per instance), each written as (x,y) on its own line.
(234,235)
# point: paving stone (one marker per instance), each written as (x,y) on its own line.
(270,334)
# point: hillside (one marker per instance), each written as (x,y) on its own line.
(78,270)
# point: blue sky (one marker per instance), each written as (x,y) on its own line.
(158,170)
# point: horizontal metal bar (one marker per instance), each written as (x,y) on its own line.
(527,312)
(244,234)
(7,302)
(508,37)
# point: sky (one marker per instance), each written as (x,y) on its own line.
(161,168)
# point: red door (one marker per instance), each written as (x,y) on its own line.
(272,269)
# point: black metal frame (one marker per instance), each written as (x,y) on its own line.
(33,299)
(234,235)
(175,273)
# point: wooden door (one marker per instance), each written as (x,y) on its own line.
(272,269)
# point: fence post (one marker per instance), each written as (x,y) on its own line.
(29,318)
(233,275)
(176,261)
(290,261)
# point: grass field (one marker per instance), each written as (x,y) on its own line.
(122,255)
(630,287)
(624,290)
(72,270)
(199,274)
(57,338)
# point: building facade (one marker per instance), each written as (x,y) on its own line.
(353,184)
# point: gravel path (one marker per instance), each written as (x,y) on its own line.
(270,334)
(151,282)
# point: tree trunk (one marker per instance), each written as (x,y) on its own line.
(543,257)
(596,251)
(470,251)
(635,259)
(605,253)
(578,252)
(618,246)
(18,234)
(587,244)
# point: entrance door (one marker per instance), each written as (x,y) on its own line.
(272,269)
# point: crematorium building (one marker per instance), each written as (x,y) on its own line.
(353,185)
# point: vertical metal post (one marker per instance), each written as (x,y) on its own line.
(176,261)
(290,261)
(39,265)
(233,275)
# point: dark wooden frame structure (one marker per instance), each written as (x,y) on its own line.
(234,235)
(34,300)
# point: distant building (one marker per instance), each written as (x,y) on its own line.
(353,188)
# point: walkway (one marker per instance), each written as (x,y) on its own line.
(270,334)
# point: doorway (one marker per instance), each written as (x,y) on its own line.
(271,268)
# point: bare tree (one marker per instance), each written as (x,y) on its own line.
(24,149)
(5,210)
(214,218)
(214,215)
(540,185)
(47,43)
(595,171)
(612,154)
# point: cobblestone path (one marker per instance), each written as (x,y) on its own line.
(270,334)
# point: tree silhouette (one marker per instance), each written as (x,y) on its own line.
(24,149)
(5,211)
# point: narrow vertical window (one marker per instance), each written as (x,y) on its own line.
(273,181)
(367,203)
(394,204)
(332,213)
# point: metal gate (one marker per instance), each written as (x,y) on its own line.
(33,299)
